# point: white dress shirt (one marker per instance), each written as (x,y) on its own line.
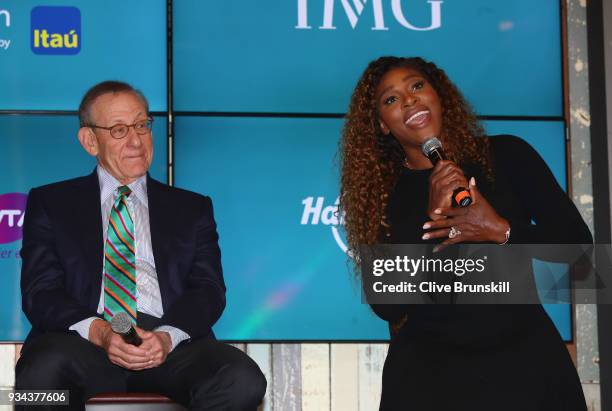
(148,296)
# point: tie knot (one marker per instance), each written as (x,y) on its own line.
(124,191)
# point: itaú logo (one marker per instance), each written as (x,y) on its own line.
(315,213)
(55,30)
(353,9)
(12,211)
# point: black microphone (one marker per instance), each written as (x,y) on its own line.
(122,325)
(432,149)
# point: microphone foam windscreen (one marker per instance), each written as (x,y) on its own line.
(431,145)
(121,323)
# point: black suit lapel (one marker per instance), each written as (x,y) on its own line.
(88,225)
(159,219)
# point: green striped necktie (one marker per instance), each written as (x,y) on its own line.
(120,260)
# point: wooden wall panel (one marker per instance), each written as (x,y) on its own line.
(371,361)
(286,377)
(262,354)
(7,365)
(344,376)
(315,377)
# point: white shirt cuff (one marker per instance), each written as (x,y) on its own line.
(82,327)
(176,335)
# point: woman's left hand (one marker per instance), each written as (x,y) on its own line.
(478,222)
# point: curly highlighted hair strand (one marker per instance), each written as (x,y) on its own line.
(371,161)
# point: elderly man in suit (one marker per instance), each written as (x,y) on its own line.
(117,241)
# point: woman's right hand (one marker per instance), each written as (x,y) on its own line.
(445,178)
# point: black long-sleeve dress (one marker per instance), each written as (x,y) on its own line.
(484,357)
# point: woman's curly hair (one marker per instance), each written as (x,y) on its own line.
(371,161)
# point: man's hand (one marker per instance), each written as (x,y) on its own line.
(157,344)
(119,352)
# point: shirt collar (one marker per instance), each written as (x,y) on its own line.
(109,185)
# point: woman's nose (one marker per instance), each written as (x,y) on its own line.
(410,99)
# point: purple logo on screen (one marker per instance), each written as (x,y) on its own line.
(12,211)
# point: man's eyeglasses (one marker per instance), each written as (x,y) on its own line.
(119,131)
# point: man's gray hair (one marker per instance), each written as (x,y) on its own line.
(105,87)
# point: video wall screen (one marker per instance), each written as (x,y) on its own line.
(274,186)
(52,52)
(303,56)
(273,177)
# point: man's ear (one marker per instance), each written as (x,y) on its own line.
(383,127)
(88,140)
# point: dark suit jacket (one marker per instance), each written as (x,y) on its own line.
(61,275)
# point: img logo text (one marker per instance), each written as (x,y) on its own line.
(357,8)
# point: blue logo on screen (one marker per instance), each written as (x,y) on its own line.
(55,30)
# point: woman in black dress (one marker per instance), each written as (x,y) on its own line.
(454,357)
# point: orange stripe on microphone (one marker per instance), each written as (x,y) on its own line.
(461,195)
